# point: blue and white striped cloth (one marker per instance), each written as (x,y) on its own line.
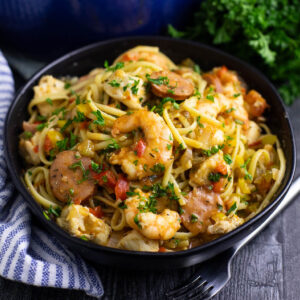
(27,253)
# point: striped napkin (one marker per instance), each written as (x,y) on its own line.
(27,253)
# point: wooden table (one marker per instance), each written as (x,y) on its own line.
(267,268)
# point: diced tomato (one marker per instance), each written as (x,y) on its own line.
(105,178)
(162,249)
(221,168)
(140,148)
(254,144)
(218,186)
(121,188)
(77,201)
(47,144)
(97,211)
(72,99)
(83,125)
(37,122)
(36,149)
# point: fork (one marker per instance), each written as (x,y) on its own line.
(213,274)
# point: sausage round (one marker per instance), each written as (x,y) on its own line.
(68,181)
(170,84)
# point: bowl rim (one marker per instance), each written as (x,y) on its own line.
(33,205)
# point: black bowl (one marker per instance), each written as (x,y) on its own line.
(80,62)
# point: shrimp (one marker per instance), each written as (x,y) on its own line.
(146,53)
(125,88)
(152,153)
(154,226)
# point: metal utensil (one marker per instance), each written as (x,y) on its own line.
(213,274)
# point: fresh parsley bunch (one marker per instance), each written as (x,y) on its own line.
(265,33)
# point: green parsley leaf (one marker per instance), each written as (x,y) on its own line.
(210,98)
(118,65)
(194,218)
(199,123)
(114,83)
(49,101)
(197,69)
(41,126)
(67,85)
(62,145)
(232,209)
(227,158)
(100,120)
(239,122)
(27,135)
(137,222)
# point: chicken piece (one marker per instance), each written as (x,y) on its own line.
(134,241)
(200,176)
(225,225)
(125,88)
(253,132)
(78,221)
(29,149)
(49,87)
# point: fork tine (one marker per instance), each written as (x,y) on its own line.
(202,296)
(183,288)
(199,288)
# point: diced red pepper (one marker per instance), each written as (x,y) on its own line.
(97,211)
(218,186)
(36,149)
(140,148)
(47,144)
(121,188)
(37,122)
(162,249)
(105,178)
(72,99)
(84,125)
(221,168)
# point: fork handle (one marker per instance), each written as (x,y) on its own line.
(293,191)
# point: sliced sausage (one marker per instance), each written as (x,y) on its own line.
(68,180)
(170,84)
(200,206)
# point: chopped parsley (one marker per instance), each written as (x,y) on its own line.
(197,69)
(67,85)
(100,121)
(161,80)
(96,167)
(114,83)
(134,88)
(118,65)
(194,218)
(80,117)
(220,207)
(48,100)
(125,87)
(41,118)
(62,145)
(67,124)
(214,177)
(113,146)
(199,123)
(137,222)
(84,238)
(227,158)
(135,162)
(73,139)
(228,111)
(232,208)
(239,122)
(158,168)
(85,172)
(122,205)
(213,150)
(41,126)
(236,95)
(210,98)
(27,135)
(104,178)
(169,146)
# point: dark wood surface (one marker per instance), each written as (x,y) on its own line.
(267,268)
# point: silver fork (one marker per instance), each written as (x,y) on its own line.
(213,274)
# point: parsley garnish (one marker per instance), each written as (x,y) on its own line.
(41,126)
(85,172)
(80,117)
(239,122)
(113,146)
(214,177)
(194,218)
(118,65)
(228,111)
(161,80)
(48,100)
(114,83)
(158,168)
(62,145)
(134,88)
(67,124)
(213,150)
(227,158)
(122,205)
(137,222)
(67,85)
(27,135)
(100,121)
(210,98)
(197,69)
(199,123)
(232,208)
(236,95)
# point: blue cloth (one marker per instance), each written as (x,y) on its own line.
(29,254)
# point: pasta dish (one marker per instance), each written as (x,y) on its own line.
(146,155)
